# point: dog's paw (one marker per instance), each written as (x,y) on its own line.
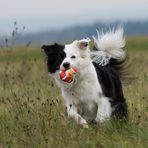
(82,122)
(85,125)
(101,119)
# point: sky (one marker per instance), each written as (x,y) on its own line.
(39,15)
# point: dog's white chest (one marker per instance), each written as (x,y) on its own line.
(85,96)
(87,109)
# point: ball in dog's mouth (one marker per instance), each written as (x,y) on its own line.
(68,74)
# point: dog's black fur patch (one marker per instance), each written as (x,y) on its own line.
(109,79)
(55,55)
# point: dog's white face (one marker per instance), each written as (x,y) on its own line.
(77,54)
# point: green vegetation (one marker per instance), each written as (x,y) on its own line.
(32,114)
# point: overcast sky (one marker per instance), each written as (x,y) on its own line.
(56,14)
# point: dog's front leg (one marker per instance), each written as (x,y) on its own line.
(104,109)
(72,113)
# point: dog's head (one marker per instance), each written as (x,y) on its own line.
(64,56)
(55,55)
(77,54)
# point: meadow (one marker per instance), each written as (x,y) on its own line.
(32,114)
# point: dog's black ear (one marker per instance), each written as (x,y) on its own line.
(45,48)
(52,48)
(59,46)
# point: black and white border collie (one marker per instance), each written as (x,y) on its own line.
(96,92)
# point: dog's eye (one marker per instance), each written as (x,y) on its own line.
(73,57)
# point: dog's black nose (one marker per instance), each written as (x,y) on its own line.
(66,65)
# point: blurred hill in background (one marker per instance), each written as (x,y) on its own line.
(78,32)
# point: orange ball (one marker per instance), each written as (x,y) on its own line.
(68,75)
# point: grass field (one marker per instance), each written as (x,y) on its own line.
(31,104)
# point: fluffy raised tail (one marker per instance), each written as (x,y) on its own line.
(108,46)
(109,52)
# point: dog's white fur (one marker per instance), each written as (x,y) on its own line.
(84,98)
(110,46)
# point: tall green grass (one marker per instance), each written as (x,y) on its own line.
(32,114)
